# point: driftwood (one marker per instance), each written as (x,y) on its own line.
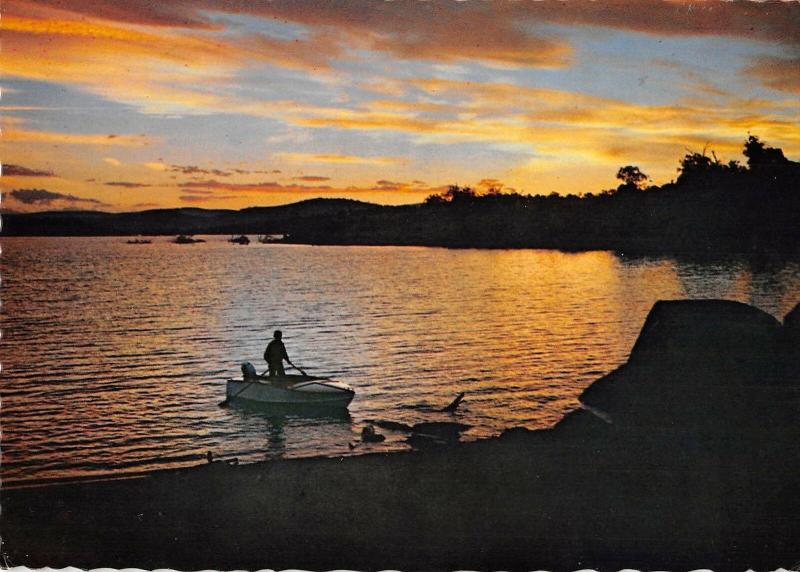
(454,405)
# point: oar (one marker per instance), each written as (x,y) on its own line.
(298,369)
(227,399)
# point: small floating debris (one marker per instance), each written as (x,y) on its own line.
(139,241)
(230,462)
(270,238)
(427,407)
(242,239)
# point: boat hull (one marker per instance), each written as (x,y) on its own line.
(291,390)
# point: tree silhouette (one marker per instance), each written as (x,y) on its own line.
(759,155)
(454,195)
(632,177)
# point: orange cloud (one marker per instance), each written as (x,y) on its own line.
(562,127)
(210,188)
(161,70)
(16,134)
(311,178)
(417,31)
(163,57)
(782,74)
(416,25)
(333,158)
(777,22)
(127,184)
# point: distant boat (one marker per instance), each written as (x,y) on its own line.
(186,239)
(269,238)
(239,240)
(139,241)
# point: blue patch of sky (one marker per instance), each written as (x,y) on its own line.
(59,98)
(232,136)
(414,156)
(362,143)
(463,163)
(276,83)
(621,65)
(237,24)
(63,109)
(366,64)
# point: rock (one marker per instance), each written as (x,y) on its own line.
(368,435)
(790,343)
(435,433)
(708,363)
(446,429)
(516,433)
(791,322)
(393,425)
(697,332)
(791,329)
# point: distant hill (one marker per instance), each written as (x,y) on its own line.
(253,220)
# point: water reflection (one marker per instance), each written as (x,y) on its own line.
(766,281)
(295,422)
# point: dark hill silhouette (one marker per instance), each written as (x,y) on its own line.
(712,207)
(253,220)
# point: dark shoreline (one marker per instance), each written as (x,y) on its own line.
(697,469)
(699,255)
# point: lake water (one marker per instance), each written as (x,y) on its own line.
(115,356)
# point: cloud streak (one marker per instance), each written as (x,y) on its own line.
(212,188)
(14,131)
(311,178)
(10,170)
(333,157)
(570,126)
(43,197)
(782,74)
(127,184)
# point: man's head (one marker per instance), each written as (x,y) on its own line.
(278,334)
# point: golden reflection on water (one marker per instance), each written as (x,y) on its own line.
(114,355)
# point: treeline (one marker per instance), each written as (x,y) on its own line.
(711,207)
(697,172)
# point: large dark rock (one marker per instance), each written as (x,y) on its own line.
(791,328)
(710,364)
(791,322)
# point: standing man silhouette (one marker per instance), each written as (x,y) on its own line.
(275,354)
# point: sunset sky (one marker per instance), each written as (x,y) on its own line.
(137,104)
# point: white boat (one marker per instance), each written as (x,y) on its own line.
(290,389)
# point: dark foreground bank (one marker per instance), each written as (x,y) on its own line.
(688,459)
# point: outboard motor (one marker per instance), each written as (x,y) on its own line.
(249,371)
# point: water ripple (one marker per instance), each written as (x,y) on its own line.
(115,358)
